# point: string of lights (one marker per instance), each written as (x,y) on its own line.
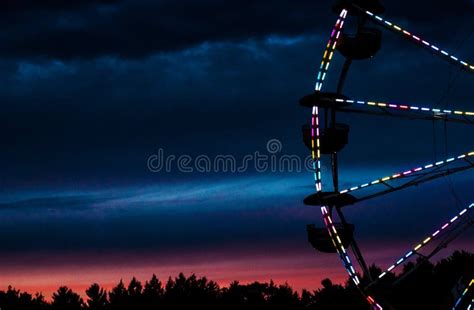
(470,285)
(438,51)
(316,148)
(329,51)
(337,242)
(404,107)
(408,173)
(316,144)
(426,241)
(315,134)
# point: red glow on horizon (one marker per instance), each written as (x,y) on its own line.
(300,268)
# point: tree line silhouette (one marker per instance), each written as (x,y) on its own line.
(429,286)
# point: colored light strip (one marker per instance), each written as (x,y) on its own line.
(316,155)
(315,134)
(316,148)
(339,246)
(420,41)
(471,284)
(404,107)
(329,52)
(372,302)
(426,241)
(407,172)
(346,261)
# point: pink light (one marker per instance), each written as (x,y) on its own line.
(330,46)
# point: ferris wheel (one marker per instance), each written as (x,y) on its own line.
(325,136)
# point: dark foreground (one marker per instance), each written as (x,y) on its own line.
(428,287)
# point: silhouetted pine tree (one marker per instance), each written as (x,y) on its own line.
(191,292)
(134,294)
(97,297)
(420,286)
(282,296)
(118,297)
(153,293)
(13,299)
(66,299)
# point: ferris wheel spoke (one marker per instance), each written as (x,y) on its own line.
(416,175)
(341,103)
(417,40)
(426,241)
(403,110)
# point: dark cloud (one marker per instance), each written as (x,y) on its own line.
(135,29)
(17,6)
(140,28)
(78,120)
